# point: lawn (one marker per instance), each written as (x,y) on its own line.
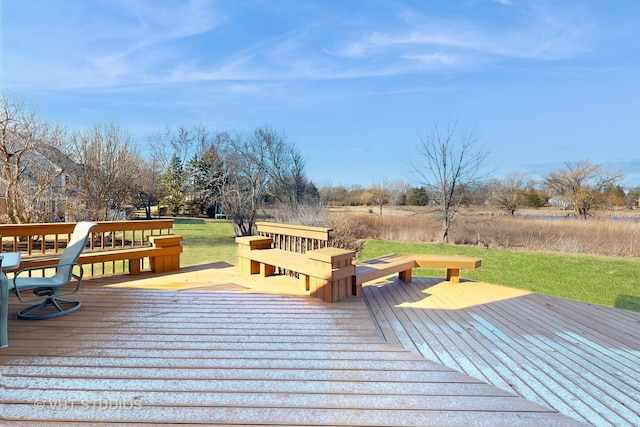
(206,241)
(608,281)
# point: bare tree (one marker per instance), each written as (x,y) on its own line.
(284,165)
(379,196)
(108,170)
(245,183)
(510,192)
(583,185)
(398,191)
(182,142)
(32,164)
(148,186)
(260,166)
(452,160)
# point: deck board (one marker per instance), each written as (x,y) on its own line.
(216,356)
(579,359)
(583,375)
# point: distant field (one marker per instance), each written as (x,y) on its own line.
(615,233)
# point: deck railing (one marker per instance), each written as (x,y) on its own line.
(295,238)
(50,239)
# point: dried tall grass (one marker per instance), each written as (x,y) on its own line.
(596,237)
(612,238)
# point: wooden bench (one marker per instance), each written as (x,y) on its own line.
(404,265)
(329,273)
(302,252)
(163,253)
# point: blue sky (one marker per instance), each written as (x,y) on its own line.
(354,84)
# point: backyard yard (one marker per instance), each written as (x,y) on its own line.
(212,344)
(603,280)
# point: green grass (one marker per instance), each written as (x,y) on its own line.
(206,241)
(599,280)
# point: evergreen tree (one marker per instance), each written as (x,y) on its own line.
(418,196)
(205,173)
(174,181)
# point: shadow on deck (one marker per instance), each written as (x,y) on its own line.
(582,360)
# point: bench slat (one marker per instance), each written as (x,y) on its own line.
(293,261)
(319,233)
(383,266)
(403,264)
(447,261)
(95,257)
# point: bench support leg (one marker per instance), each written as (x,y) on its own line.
(248,266)
(356,288)
(405,276)
(134,266)
(267,270)
(304,282)
(453,275)
(254,266)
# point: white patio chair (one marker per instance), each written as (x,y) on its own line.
(49,289)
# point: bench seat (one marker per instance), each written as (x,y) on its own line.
(453,264)
(329,273)
(164,255)
(271,259)
(382,267)
(404,264)
(326,272)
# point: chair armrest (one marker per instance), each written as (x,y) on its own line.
(44,267)
(26,270)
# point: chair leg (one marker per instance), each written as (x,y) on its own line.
(4,310)
(31,313)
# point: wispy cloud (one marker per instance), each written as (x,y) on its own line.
(540,39)
(177,42)
(419,42)
(125,41)
(150,45)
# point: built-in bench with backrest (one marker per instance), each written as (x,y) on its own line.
(300,251)
(330,273)
(129,242)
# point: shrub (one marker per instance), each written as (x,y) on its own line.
(313,215)
(350,231)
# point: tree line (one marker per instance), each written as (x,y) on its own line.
(449,174)
(516,190)
(50,174)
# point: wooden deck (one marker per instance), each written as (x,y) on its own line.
(580,359)
(205,349)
